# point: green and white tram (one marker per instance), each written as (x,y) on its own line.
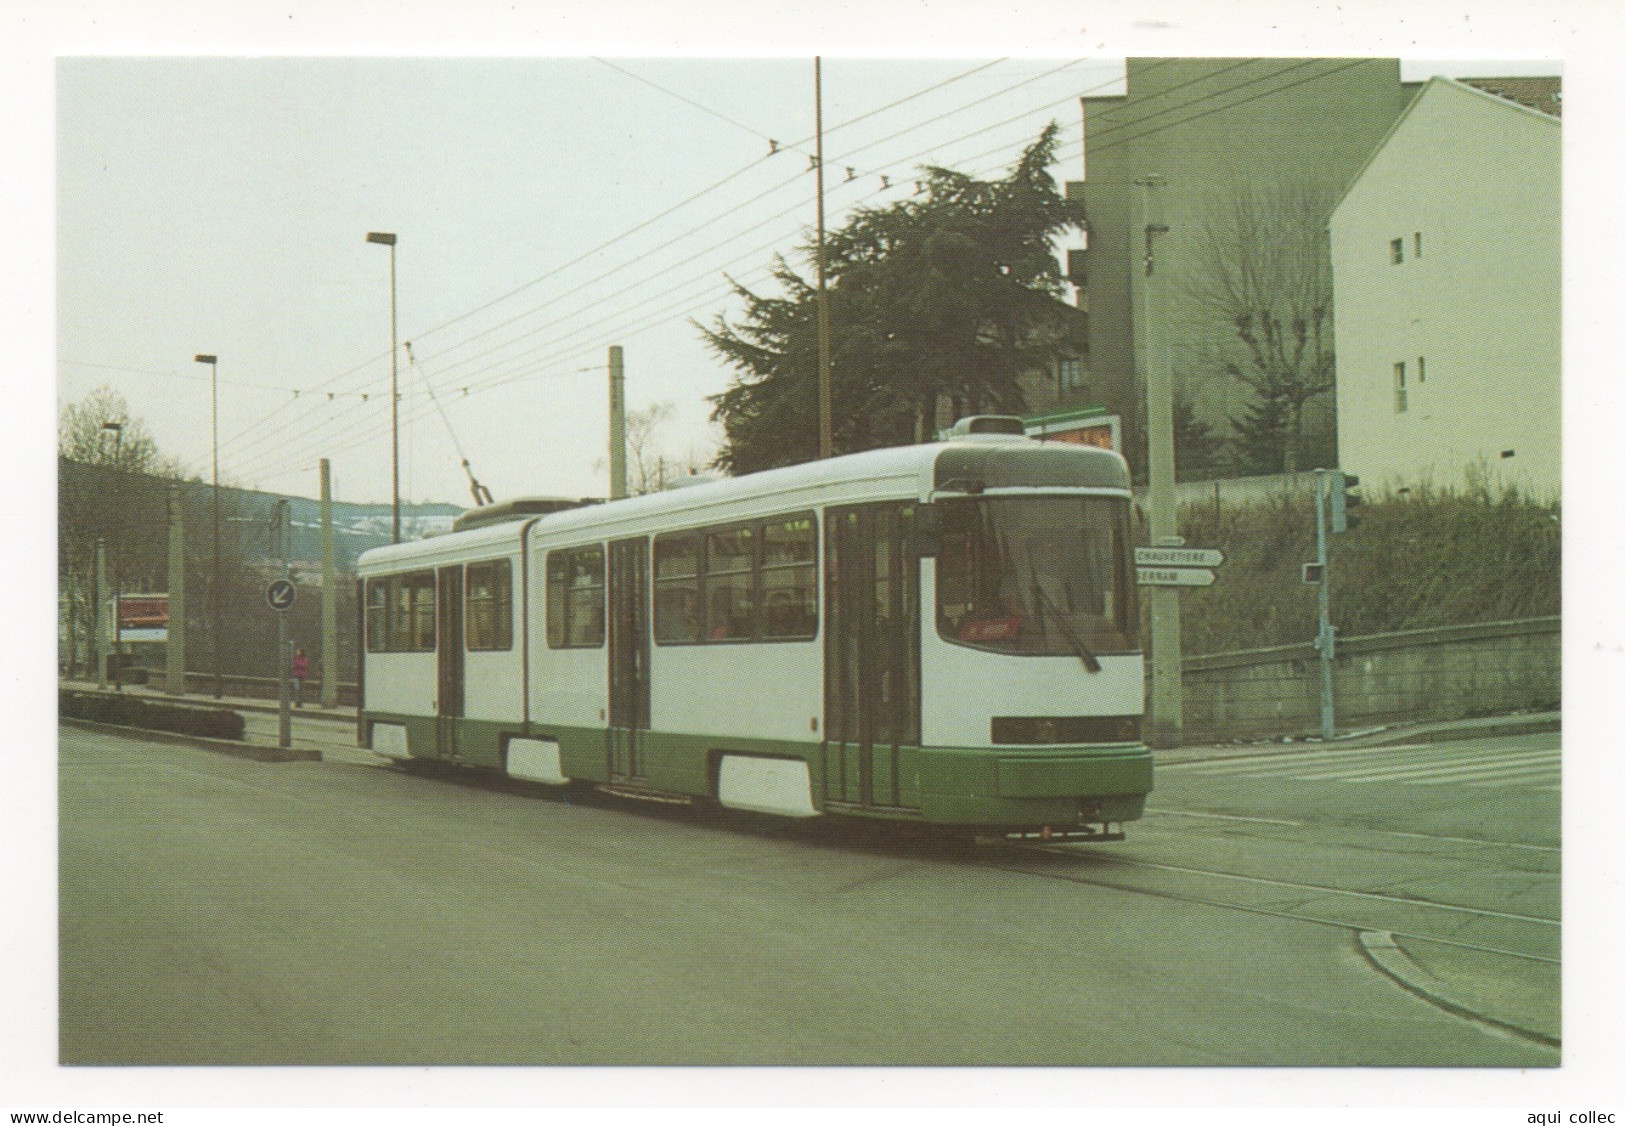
(943,633)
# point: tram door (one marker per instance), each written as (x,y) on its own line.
(871,656)
(449,662)
(628,658)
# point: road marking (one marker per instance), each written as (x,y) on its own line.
(1270,759)
(1154,811)
(1425,903)
(1444,771)
(1410,764)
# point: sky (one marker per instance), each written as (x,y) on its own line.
(186,177)
(545,209)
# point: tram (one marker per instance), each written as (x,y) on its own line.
(943,633)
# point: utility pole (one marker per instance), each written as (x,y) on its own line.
(617,423)
(1325,642)
(96,611)
(826,425)
(1167,717)
(330,596)
(279,537)
(387,238)
(214,508)
(175,646)
(117,430)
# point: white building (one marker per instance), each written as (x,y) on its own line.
(1447,274)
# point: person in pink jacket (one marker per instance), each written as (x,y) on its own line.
(301,669)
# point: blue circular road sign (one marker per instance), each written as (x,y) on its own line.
(280,594)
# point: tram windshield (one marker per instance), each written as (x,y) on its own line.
(1037,575)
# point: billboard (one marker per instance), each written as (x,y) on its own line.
(1088,427)
(143,617)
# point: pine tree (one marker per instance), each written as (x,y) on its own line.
(948,296)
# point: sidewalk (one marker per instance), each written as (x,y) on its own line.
(310,710)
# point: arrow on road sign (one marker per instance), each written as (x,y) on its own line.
(280,594)
(1178,557)
(1173,576)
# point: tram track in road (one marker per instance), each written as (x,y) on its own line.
(1451,909)
(1379,941)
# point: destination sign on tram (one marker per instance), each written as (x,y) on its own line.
(1173,576)
(1178,557)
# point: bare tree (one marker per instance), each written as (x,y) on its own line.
(120,498)
(1261,269)
(650,464)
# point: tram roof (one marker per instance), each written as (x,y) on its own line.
(898,472)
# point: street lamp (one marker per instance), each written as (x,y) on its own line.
(385,239)
(214,585)
(117,429)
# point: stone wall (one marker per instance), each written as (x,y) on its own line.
(1435,674)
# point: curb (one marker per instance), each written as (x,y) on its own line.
(253,751)
(1385,954)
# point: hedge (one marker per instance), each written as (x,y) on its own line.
(129,711)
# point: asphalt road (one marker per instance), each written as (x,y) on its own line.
(216,910)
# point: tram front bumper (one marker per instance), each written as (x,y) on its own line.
(1034,786)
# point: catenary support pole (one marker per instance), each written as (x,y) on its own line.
(826,410)
(175,646)
(1325,639)
(330,597)
(617,423)
(97,623)
(1166,726)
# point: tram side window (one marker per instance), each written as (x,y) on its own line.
(489,598)
(677,589)
(729,601)
(400,613)
(377,610)
(790,578)
(575,598)
(744,582)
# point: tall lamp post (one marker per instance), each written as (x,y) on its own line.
(385,239)
(214,583)
(117,429)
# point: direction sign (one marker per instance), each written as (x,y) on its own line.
(280,594)
(1173,576)
(1178,557)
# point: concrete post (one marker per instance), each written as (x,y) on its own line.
(617,424)
(330,595)
(97,625)
(1167,717)
(175,647)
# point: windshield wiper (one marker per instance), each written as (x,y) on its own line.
(1045,606)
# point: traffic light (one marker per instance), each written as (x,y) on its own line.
(1345,497)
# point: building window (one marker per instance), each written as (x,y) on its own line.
(575,598)
(1396,251)
(1070,374)
(1421,370)
(488,623)
(1416,246)
(1400,405)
